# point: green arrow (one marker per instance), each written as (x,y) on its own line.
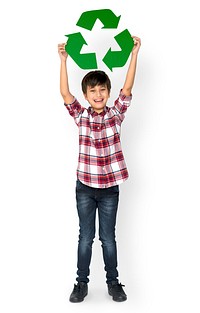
(119,58)
(73,48)
(106,16)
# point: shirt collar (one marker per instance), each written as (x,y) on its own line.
(94,113)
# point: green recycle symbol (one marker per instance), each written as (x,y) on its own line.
(112,58)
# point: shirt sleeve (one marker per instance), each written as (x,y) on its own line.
(75,110)
(121,105)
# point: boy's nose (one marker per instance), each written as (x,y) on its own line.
(98,93)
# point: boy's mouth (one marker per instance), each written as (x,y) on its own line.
(99,100)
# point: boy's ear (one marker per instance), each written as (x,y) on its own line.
(85,95)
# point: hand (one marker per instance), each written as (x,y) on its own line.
(61,51)
(137,44)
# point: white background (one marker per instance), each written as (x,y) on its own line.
(158,220)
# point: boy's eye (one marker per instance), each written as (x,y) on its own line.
(93,90)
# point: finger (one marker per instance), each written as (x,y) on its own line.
(136,42)
(60,45)
(136,39)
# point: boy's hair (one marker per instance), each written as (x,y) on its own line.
(95,78)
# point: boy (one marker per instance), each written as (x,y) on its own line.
(101,168)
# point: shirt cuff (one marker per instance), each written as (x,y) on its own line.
(74,100)
(124,97)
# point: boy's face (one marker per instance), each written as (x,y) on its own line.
(97,97)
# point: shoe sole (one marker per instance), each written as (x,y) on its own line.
(117,300)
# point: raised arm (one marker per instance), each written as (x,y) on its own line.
(64,85)
(130,76)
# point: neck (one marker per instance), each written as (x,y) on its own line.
(98,111)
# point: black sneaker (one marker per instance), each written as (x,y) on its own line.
(79,292)
(116,291)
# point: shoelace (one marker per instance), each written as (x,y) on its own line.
(118,287)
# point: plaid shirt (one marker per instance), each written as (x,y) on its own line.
(101,162)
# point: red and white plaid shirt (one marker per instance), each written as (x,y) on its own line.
(101,162)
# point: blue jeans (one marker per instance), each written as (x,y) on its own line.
(88,201)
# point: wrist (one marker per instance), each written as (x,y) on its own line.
(63,60)
(134,54)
